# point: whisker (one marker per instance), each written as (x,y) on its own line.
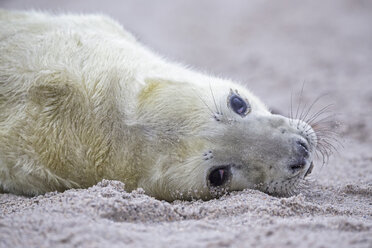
(214,100)
(221,109)
(317,154)
(326,132)
(324,110)
(325,136)
(330,146)
(326,119)
(328,136)
(291,114)
(326,125)
(201,99)
(321,151)
(325,148)
(299,104)
(312,105)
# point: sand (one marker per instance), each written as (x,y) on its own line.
(274,47)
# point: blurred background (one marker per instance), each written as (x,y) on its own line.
(273,47)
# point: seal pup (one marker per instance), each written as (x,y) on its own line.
(81,100)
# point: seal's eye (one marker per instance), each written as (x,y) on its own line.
(218,176)
(238,105)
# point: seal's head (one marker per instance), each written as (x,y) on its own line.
(216,137)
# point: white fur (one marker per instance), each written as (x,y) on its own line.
(82,100)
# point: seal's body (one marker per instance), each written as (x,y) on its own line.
(81,100)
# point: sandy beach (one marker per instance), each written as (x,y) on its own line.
(276,48)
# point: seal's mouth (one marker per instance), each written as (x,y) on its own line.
(308,172)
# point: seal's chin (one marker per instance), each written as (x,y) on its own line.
(288,185)
(308,172)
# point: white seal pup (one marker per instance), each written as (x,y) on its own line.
(81,100)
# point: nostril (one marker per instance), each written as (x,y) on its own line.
(302,144)
(301,154)
(297,166)
(303,148)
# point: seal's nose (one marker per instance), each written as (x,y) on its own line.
(302,153)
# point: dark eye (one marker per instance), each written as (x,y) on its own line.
(218,176)
(238,105)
